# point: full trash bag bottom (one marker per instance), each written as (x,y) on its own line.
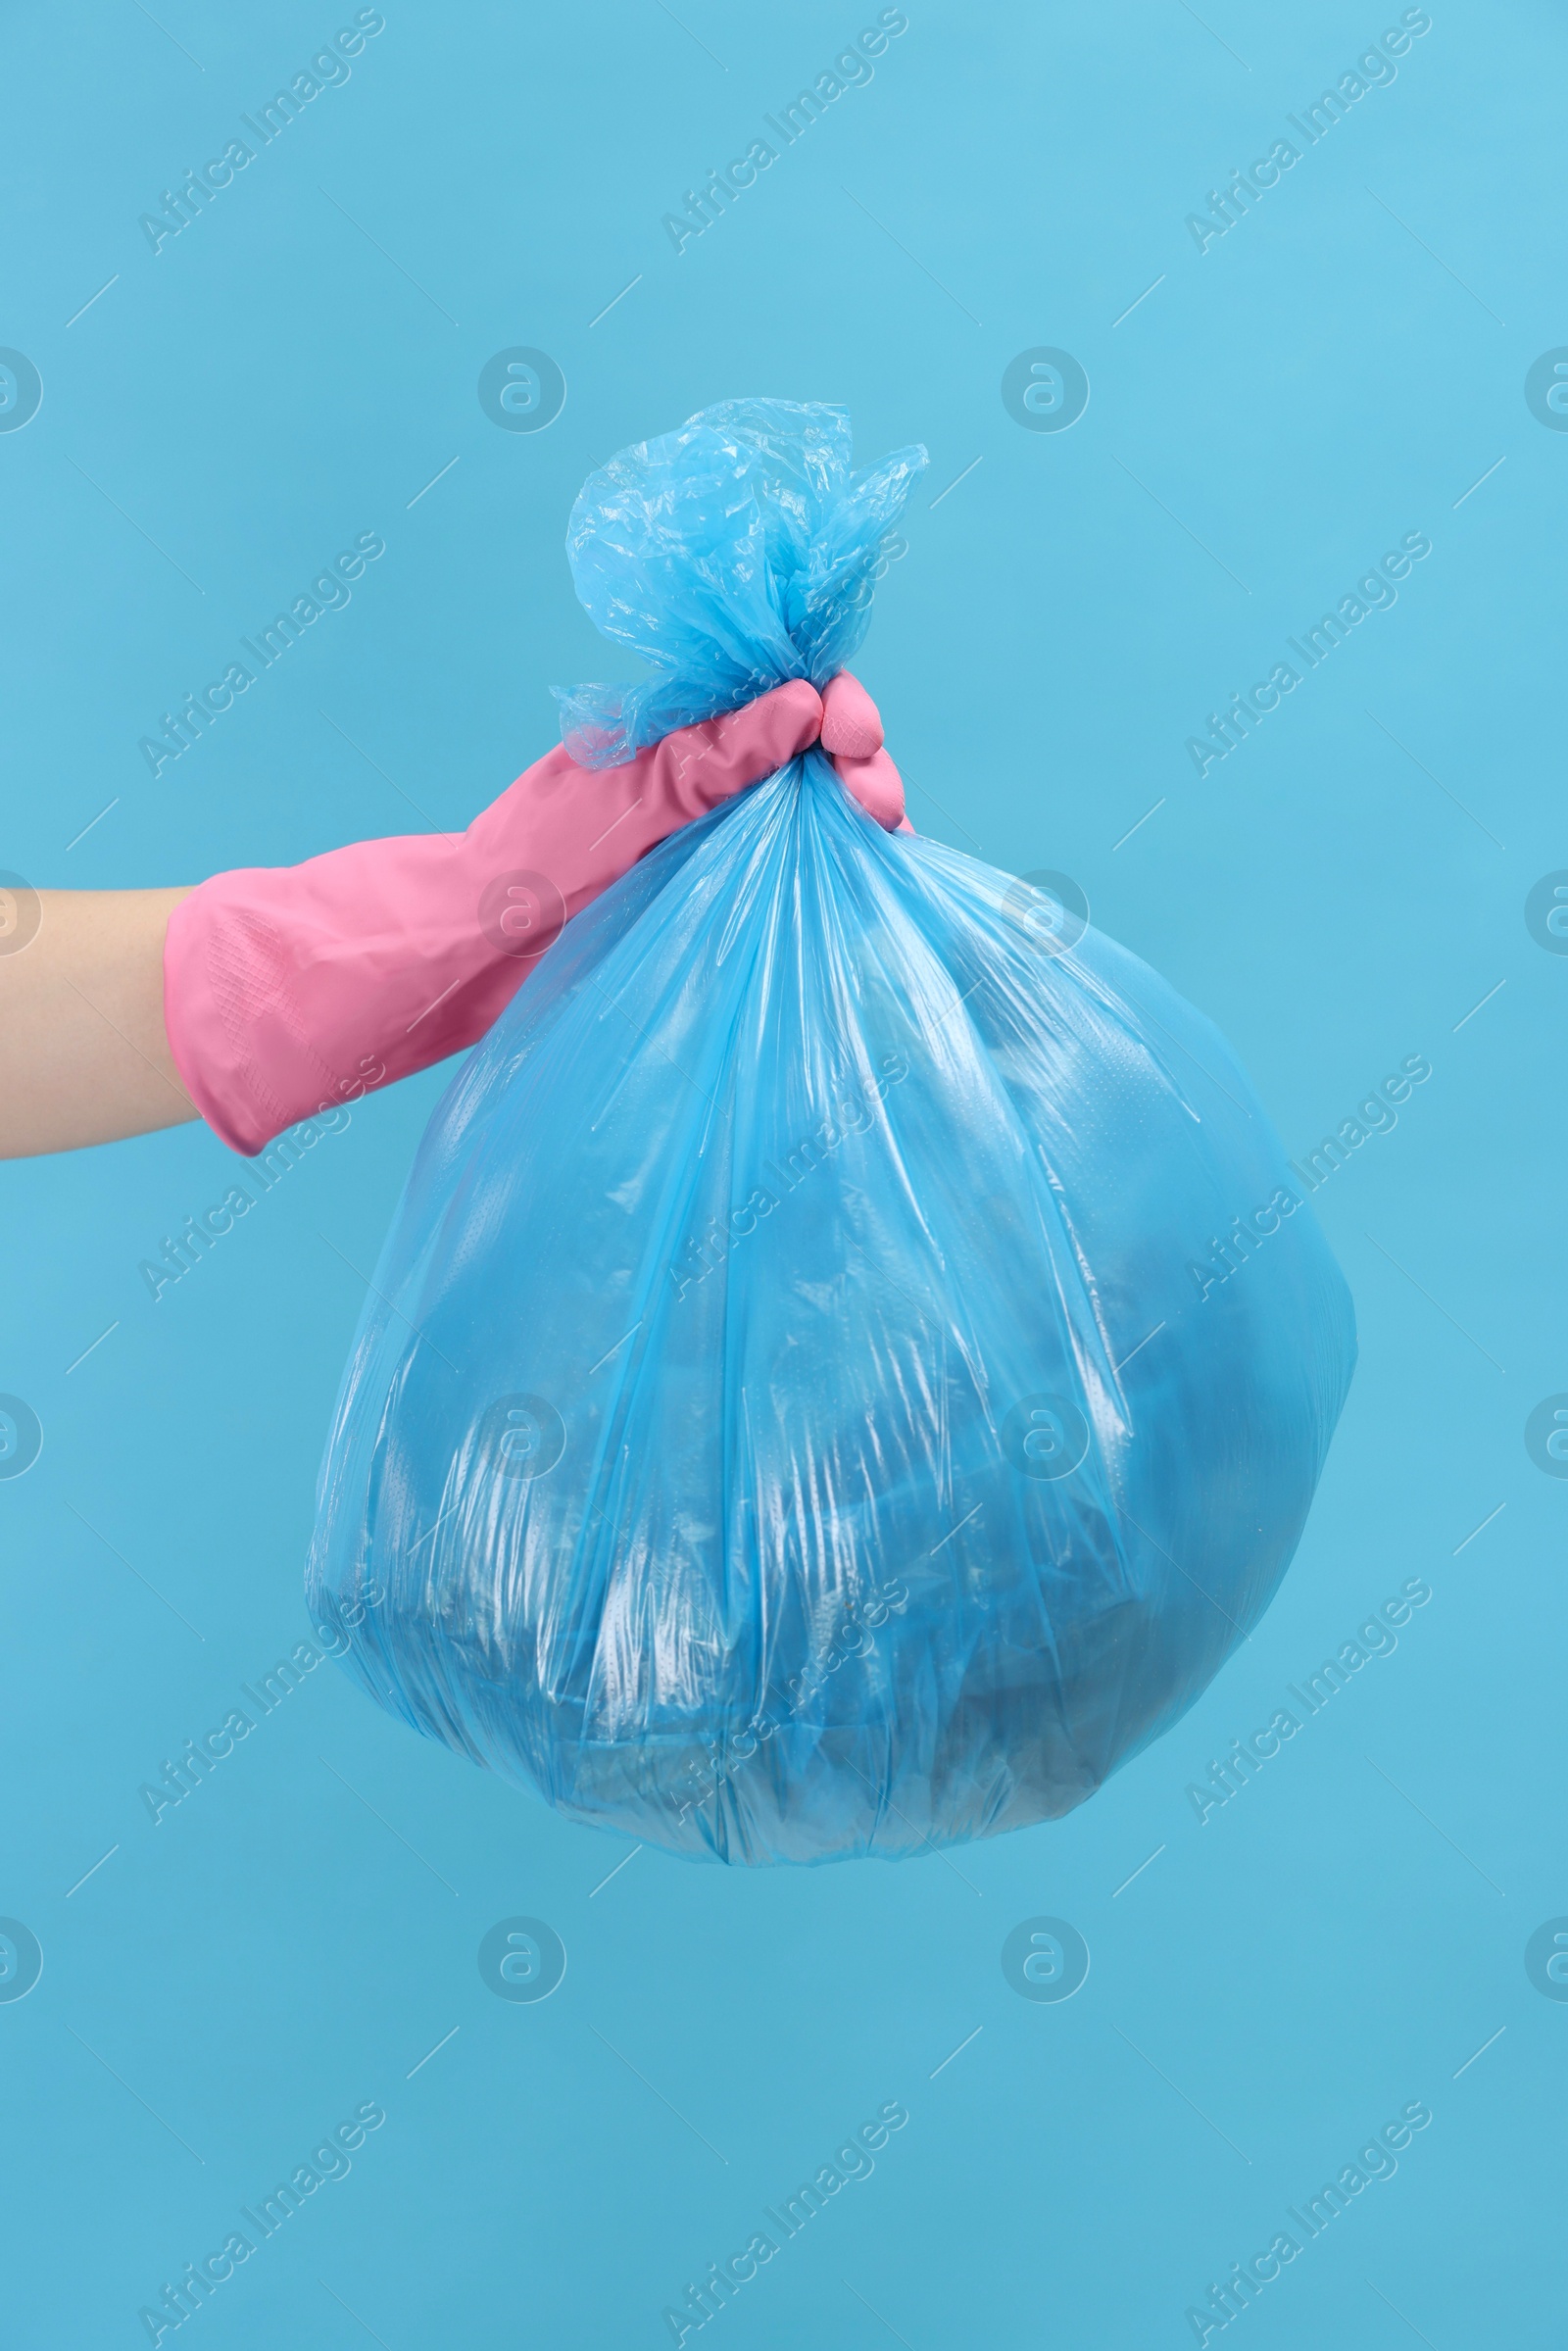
(804,1410)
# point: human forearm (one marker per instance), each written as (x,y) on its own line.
(84,1057)
(275,990)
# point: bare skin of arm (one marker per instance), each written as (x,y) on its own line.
(84,1057)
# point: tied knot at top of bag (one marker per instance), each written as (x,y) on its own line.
(734,554)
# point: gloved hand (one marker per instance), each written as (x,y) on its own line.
(851,732)
(290,989)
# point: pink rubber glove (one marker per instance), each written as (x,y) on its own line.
(851,731)
(290,989)
(287,989)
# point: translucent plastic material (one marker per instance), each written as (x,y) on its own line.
(804,1410)
(731,555)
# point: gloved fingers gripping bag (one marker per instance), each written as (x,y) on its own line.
(851,1362)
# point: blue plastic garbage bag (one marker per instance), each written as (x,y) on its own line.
(851,1362)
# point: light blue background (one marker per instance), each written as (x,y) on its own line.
(1339,1940)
